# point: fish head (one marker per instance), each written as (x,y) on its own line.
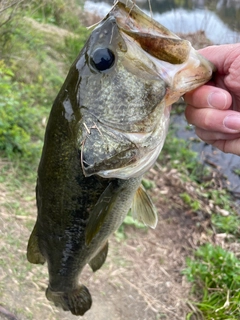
(130,72)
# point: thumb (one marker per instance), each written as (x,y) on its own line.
(222,56)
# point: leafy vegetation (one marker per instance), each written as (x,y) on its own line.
(215,274)
(128,221)
(19,121)
(229,224)
(237,171)
(33,64)
(64,14)
(194,204)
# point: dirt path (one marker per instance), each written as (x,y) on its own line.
(142,276)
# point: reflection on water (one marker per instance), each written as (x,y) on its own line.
(220,24)
(183,21)
(227,10)
(224,14)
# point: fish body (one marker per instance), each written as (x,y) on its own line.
(105,130)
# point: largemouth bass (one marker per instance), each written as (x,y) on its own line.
(105,130)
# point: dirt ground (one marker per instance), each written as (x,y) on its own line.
(141,278)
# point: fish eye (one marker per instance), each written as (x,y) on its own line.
(102,59)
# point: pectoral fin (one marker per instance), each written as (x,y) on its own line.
(143,209)
(33,252)
(99,259)
(101,211)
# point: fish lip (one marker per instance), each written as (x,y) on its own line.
(141,161)
(143,164)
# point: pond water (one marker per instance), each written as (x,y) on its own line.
(220,19)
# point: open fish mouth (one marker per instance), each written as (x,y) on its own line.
(148,69)
(177,62)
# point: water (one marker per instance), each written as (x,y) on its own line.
(220,19)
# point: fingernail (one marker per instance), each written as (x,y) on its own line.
(232,122)
(217,100)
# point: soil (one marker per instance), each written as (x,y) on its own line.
(141,278)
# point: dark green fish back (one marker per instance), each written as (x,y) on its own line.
(68,195)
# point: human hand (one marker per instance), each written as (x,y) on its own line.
(214,108)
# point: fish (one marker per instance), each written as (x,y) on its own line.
(106,129)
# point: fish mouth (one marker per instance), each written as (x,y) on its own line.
(176,61)
(136,168)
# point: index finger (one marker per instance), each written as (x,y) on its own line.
(209,96)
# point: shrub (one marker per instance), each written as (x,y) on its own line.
(19,119)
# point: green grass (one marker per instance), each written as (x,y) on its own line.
(20,132)
(227,224)
(215,274)
(194,204)
(148,184)
(129,221)
(236,171)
